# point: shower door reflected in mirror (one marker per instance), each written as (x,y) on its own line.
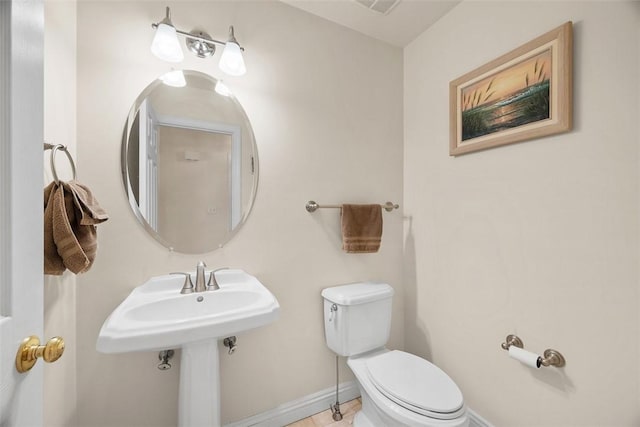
(189,165)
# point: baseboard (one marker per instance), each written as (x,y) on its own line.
(298,409)
(476,420)
(306,406)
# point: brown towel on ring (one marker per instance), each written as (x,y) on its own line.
(361,228)
(71,215)
(52,261)
(90,211)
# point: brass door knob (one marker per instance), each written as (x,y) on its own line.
(30,351)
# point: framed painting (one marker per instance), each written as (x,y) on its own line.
(524,94)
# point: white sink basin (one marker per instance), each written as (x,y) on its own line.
(155,316)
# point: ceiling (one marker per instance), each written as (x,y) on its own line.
(402,24)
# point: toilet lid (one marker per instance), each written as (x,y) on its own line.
(415,384)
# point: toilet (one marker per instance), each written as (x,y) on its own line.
(397,388)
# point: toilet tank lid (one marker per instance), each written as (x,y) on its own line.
(358,293)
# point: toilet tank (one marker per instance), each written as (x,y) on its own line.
(357,317)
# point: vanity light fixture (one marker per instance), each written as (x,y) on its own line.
(231,61)
(166,46)
(165,43)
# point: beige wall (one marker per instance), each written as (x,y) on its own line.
(538,238)
(325,105)
(60,128)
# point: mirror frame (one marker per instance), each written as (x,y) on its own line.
(124,166)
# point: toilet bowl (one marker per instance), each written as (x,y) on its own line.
(397,388)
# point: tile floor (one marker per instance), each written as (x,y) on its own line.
(324,419)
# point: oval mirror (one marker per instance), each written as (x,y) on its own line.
(189,163)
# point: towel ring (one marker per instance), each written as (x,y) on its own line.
(54,149)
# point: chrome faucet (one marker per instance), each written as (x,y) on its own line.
(200,285)
(212,285)
(187,288)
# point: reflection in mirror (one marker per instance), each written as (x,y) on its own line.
(189,164)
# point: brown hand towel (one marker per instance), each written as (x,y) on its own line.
(76,244)
(74,213)
(361,228)
(90,211)
(52,261)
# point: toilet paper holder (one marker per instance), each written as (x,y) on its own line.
(550,357)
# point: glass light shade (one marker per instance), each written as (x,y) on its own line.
(231,61)
(165,44)
(222,89)
(174,78)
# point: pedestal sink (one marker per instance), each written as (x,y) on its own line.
(155,316)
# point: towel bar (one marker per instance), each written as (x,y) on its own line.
(313,206)
(54,148)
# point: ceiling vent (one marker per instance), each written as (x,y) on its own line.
(380,6)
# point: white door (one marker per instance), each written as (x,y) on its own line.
(148,164)
(21,206)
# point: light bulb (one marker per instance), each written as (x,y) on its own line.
(222,89)
(231,61)
(174,78)
(165,44)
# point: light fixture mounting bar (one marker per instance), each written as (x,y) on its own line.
(195,37)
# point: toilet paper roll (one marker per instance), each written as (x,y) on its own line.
(523,356)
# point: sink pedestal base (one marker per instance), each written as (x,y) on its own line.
(199,397)
(157,316)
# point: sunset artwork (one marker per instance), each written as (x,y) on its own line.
(515,96)
(521,95)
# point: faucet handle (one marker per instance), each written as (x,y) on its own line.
(212,284)
(187,288)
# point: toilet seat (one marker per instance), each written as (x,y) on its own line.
(415,384)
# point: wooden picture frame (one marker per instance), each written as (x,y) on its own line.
(524,94)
